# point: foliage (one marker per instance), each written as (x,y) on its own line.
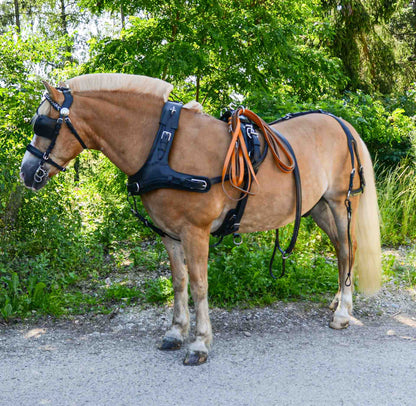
(397,190)
(238,275)
(213,50)
(368,47)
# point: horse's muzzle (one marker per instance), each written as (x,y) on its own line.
(33,175)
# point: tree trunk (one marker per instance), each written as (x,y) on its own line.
(198,85)
(17,15)
(63,18)
(123,18)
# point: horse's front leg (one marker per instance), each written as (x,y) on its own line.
(196,246)
(175,336)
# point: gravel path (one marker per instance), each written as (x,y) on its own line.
(284,354)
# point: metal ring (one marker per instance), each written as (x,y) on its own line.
(237,238)
(39,174)
(64,111)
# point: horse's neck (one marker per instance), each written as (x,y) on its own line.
(122,126)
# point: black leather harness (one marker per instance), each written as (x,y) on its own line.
(49,128)
(352,148)
(156,172)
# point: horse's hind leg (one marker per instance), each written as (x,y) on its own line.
(331,216)
(324,218)
(174,337)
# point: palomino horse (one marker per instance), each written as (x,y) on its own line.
(119,116)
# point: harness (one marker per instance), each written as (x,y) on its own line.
(156,173)
(352,148)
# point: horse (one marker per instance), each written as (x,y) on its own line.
(119,115)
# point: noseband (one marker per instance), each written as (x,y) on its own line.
(49,128)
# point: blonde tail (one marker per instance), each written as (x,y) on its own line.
(367,231)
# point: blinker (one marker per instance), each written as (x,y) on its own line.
(44,126)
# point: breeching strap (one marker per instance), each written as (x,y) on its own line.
(352,147)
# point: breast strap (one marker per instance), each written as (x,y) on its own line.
(156,172)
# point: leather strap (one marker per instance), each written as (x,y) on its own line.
(237,164)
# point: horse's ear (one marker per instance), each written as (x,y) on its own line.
(51,90)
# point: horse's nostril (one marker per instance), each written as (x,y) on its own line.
(22,176)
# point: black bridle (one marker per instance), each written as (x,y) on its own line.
(49,128)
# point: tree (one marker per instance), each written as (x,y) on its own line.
(403,27)
(363,40)
(214,49)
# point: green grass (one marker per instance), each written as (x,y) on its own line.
(239,275)
(397,201)
(400,267)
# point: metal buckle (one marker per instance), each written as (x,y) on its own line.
(250,130)
(166,134)
(237,239)
(203,183)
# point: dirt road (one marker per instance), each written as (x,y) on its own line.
(281,355)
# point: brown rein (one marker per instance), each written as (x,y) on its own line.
(237,158)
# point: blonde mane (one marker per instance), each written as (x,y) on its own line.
(120,81)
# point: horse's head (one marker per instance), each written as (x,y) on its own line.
(55,142)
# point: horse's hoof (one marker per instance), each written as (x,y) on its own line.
(195,358)
(170,344)
(339,325)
